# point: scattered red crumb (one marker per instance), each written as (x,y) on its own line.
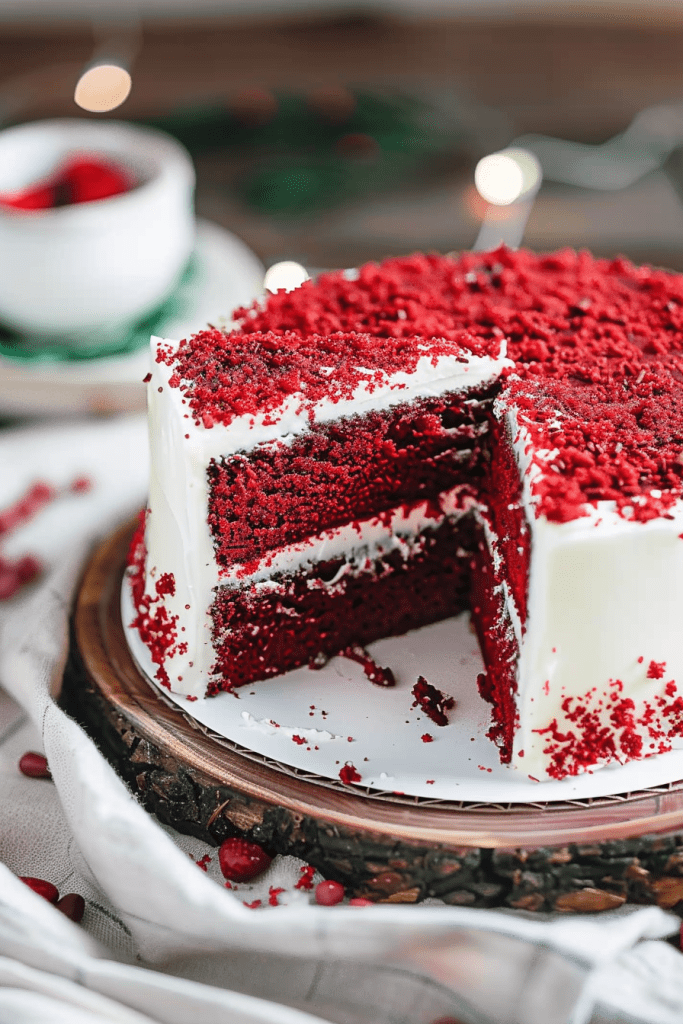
(349,774)
(350,739)
(328,894)
(427,737)
(521,753)
(299,739)
(190,697)
(16,573)
(203,862)
(655,669)
(430,782)
(253,905)
(640,660)
(229,885)
(273,893)
(81,485)
(147,378)
(306,880)
(376,673)
(25,508)
(483,768)
(433,702)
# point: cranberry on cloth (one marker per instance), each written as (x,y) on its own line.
(164,937)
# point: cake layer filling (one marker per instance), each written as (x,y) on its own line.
(280,493)
(398,529)
(261,630)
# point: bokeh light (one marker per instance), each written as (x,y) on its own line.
(503,178)
(102,88)
(286,275)
(499,179)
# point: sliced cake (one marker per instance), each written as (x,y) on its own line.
(377,451)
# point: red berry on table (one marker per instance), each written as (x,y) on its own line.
(34,765)
(73,906)
(241,860)
(327,894)
(45,889)
(360,901)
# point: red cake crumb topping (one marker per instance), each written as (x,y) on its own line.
(655,670)
(157,628)
(224,376)
(602,339)
(375,673)
(427,737)
(592,741)
(433,702)
(349,774)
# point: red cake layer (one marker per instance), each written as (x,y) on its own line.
(260,632)
(343,471)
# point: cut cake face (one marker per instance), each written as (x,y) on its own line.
(377,451)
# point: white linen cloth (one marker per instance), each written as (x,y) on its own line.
(164,941)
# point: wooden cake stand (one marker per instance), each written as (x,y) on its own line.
(583,855)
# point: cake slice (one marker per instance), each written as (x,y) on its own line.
(307,494)
(378,450)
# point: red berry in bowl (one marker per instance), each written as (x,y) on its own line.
(327,894)
(241,860)
(45,889)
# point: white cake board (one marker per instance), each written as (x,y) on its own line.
(386,747)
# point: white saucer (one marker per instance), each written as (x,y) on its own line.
(228,275)
(386,748)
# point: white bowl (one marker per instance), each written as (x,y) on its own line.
(95,266)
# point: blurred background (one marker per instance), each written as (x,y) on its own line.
(332,132)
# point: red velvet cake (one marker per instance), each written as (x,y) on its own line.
(383,449)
